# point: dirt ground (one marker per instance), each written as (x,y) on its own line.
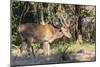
(18,58)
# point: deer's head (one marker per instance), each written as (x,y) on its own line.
(65,29)
(66,32)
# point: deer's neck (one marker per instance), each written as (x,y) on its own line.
(56,35)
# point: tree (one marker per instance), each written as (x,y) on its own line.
(78,28)
(81,18)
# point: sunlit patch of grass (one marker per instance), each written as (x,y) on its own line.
(77,47)
(72,47)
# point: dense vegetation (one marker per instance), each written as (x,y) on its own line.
(82,19)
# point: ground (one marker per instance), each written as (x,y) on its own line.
(74,53)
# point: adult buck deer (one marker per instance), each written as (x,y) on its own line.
(45,34)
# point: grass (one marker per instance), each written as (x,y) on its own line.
(66,50)
(72,47)
(86,46)
(63,47)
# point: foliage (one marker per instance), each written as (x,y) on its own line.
(35,12)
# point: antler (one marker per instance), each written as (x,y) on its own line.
(60,15)
(64,21)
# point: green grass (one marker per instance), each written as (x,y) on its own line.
(61,47)
(72,47)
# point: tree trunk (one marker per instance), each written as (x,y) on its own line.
(78,27)
(42,15)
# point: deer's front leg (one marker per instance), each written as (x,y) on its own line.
(46,48)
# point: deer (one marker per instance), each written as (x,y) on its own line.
(45,34)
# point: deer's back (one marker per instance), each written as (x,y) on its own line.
(37,31)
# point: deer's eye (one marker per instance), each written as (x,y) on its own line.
(60,30)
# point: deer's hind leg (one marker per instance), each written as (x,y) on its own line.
(22,43)
(22,47)
(30,47)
